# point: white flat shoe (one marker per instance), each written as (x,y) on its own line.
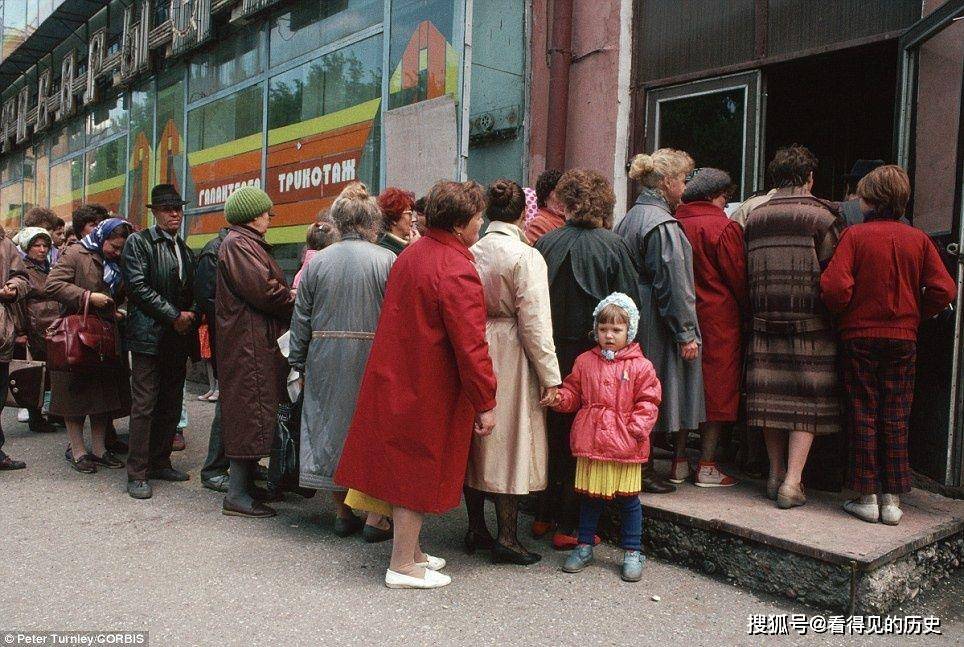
(432,563)
(868,512)
(890,512)
(432,580)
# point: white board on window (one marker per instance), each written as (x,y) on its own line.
(421,144)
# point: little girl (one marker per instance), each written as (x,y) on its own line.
(617,395)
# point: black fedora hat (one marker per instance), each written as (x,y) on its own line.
(165,195)
(862,168)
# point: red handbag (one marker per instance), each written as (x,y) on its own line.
(82,342)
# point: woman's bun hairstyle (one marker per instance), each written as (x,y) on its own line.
(641,166)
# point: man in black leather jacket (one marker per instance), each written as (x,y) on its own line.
(161,334)
(214,474)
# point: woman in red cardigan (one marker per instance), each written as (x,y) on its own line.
(884,277)
(429,378)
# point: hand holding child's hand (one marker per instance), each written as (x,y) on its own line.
(484,423)
(689,351)
(550,396)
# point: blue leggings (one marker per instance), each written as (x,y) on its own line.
(630,518)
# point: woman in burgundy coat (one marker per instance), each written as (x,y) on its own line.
(429,378)
(719,270)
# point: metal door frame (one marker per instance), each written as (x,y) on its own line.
(905,129)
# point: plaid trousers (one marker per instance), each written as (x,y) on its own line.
(879,377)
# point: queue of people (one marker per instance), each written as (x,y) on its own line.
(488,343)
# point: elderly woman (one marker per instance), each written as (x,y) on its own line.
(253,305)
(90,270)
(586,263)
(792,384)
(668,331)
(398,212)
(719,270)
(36,311)
(336,313)
(512,462)
(429,379)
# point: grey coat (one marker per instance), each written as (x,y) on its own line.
(667,305)
(340,295)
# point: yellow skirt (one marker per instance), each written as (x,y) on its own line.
(607,479)
(360,501)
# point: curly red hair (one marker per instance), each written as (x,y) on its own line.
(394,202)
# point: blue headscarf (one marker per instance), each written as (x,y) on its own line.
(94,241)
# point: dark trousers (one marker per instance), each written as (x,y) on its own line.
(157,392)
(630,520)
(4,385)
(216,464)
(879,376)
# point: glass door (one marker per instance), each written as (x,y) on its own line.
(930,146)
(717,121)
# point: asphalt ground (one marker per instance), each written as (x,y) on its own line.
(78,554)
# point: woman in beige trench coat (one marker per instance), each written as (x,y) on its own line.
(512,460)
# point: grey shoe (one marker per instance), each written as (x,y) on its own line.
(167,474)
(217,483)
(140,489)
(890,512)
(579,558)
(632,570)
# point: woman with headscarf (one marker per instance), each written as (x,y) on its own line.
(36,311)
(332,328)
(668,331)
(90,270)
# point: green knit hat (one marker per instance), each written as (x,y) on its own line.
(246,204)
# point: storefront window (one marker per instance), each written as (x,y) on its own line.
(311,25)
(235,58)
(107,119)
(169,149)
(106,174)
(11,207)
(224,148)
(11,167)
(321,120)
(67,186)
(140,168)
(69,139)
(423,62)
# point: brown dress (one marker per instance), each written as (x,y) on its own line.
(792,380)
(106,391)
(253,307)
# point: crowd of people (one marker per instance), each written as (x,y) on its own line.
(489,343)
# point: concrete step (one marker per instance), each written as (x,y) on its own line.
(816,554)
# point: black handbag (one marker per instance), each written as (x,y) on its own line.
(27,384)
(284,463)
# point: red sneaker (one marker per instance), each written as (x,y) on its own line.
(541,528)
(709,475)
(562,541)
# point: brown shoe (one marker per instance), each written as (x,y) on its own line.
(255,510)
(653,483)
(789,496)
(178,444)
(85,464)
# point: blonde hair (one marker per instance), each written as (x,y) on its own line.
(650,170)
(355,211)
(612,314)
(886,187)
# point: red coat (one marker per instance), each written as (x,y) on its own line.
(719,270)
(428,375)
(618,403)
(883,278)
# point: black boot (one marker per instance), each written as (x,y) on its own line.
(38,424)
(653,483)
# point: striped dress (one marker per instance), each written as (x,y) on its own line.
(792,378)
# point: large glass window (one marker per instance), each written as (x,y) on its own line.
(311,25)
(67,186)
(107,119)
(106,174)
(11,207)
(224,147)
(322,134)
(140,168)
(169,148)
(423,62)
(68,139)
(233,60)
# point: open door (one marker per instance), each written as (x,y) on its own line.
(717,121)
(930,145)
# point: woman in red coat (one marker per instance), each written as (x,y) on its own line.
(719,268)
(428,379)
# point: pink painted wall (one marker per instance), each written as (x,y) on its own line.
(593,86)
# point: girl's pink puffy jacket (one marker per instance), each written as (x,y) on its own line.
(618,403)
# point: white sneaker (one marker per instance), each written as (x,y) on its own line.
(23,415)
(432,580)
(432,563)
(865,508)
(890,512)
(679,471)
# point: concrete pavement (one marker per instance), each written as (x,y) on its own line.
(78,553)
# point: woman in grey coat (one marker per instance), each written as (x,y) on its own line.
(336,312)
(668,330)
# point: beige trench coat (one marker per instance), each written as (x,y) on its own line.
(512,460)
